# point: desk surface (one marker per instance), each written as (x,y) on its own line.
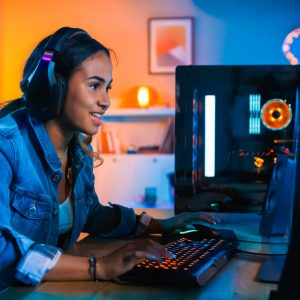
(236,280)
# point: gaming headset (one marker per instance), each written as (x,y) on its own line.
(45,90)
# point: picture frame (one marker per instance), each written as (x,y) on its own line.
(170,44)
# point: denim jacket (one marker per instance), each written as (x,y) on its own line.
(29,178)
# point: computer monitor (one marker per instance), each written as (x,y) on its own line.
(231,122)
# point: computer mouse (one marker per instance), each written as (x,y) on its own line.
(200,231)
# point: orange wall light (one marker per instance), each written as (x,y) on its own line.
(141,97)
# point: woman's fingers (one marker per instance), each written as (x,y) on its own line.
(146,248)
(200,216)
(209,218)
(124,258)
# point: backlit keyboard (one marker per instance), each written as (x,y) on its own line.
(195,263)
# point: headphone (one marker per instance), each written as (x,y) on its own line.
(45,90)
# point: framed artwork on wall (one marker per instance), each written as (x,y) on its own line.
(170,44)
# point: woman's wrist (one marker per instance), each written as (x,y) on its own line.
(142,224)
(100,269)
(93,267)
(156,226)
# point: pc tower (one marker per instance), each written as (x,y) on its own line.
(231,123)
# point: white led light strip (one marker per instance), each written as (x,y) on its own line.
(209,135)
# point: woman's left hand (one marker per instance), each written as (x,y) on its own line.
(184,220)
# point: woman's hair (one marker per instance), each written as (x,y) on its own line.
(73,52)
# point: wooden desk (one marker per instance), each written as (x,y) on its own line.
(235,281)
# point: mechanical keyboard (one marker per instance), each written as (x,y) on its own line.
(195,263)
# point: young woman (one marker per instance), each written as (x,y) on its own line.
(47,194)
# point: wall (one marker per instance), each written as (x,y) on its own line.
(244,32)
(226,32)
(1,48)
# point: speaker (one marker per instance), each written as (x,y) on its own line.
(276,114)
(277,205)
(45,91)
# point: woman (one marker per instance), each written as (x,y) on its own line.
(47,184)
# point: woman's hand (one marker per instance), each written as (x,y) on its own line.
(124,258)
(184,221)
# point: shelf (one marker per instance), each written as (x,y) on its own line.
(125,178)
(124,114)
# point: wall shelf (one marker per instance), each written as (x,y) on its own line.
(124,178)
(125,114)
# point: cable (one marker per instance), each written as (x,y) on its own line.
(255,242)
(261,242)
(259,253)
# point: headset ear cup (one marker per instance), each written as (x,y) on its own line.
(45,90)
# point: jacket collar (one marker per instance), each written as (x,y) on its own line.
(48,149)
(45,143)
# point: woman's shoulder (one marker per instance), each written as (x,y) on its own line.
(12,123)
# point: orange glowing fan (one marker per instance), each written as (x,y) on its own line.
(276,114)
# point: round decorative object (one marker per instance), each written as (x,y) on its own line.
(288,42)
(276,114)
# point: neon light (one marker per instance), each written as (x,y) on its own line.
(250,115)
(187,231)
(286,47)
(209,134)
(195,137)
(254,113)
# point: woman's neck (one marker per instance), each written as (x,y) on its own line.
(59,137)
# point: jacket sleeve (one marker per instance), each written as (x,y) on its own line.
(20,257)
(110,221)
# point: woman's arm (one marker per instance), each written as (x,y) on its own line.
(121,260)
(180,221)
(20,257)
(69,268)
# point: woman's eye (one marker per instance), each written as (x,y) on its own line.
(108,88)
(94,86)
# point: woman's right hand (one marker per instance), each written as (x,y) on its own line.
(124,258)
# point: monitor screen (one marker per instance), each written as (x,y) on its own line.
(230,123)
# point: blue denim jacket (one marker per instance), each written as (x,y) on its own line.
(29,178)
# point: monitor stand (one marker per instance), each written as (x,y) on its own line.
(271,269)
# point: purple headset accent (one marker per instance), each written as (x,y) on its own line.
(47,56)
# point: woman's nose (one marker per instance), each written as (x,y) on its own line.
(104,101)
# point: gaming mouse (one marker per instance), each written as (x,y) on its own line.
(200,232)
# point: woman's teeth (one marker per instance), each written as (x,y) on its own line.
(97,115)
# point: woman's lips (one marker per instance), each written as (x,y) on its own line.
(97,118)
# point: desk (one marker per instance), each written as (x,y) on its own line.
(235,281)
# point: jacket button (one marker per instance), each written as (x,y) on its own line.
(32,209)
(55,177)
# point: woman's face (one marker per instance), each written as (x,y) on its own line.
(87,96)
